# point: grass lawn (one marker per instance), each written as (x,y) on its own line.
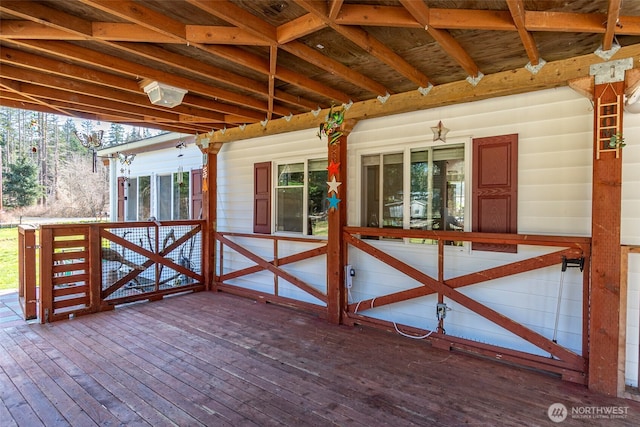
(8,258)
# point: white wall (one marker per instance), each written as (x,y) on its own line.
(554,173)
(235,209)
(154,163)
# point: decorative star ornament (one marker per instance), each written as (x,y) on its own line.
(333,201)
(333,168)
(333,185)
(440,132)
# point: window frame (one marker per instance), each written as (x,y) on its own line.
(406,149)
(172,194)
(305,160)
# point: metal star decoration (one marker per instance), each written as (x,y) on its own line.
(440,132)
(333,185)
(333,168)
(333,201)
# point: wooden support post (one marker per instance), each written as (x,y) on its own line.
(95,267)
(604,300)
(46,277)
(27,271)
(209,214)
(336,295)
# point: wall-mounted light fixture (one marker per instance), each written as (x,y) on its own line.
(163,94)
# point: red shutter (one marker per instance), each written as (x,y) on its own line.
(495,188)
(121,199)
(262,198)
(196,194)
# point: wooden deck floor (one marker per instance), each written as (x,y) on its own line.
(215,359)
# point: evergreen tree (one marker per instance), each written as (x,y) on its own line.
(20,182)
(115,135)
(68,137)
(134,134)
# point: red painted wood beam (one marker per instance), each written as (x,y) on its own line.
(605,250)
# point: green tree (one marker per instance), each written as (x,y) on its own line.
(116,135)
(21,186)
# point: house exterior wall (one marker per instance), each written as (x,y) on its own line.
(630,235)
(154,163)
(554,174)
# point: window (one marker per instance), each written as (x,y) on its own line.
(144,198)
(138,198)
(181,195)
(419,189)
(301,197)
(173,196)
(132,199)
(164,197)
(437,189)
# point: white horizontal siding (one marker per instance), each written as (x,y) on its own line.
(633,321)
(235,172)
(555,130)
(630,235)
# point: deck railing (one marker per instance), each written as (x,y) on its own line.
(570,365)
(273,263)
(86,268)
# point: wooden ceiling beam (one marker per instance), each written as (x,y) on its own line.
(192,66)
(298,79)
(128,32)
(314,57)
(565,22)
(46,86)
(490,20)
(207,71)
(555,74)
(376,16)
(273,67)
(239,17)
(16,88)
(300,27)
(7,101)
(334,8)
(516,7)
(223,35)
(246,21)
(32,30)
(368,43)
(141,15)
(80,110)
(420,11)
(137,71)
(27,30)
(350,14)
(467,19)
(44,15)
(613,15)
(138,14)
(68,70)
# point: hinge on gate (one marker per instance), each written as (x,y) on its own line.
(33,247)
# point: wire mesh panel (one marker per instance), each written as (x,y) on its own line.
(140,261)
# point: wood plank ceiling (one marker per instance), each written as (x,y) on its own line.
(244,61)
